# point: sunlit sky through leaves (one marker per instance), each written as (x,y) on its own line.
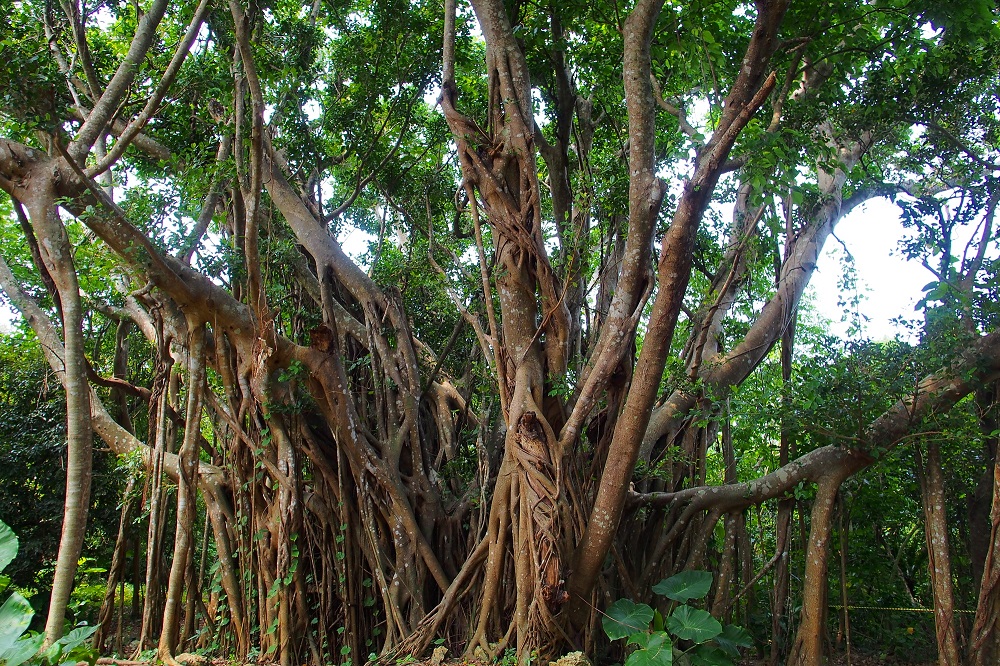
(888,286)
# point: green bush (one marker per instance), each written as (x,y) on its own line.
(686,636)
(17,644)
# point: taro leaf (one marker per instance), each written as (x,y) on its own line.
(658,651)
(693,624)
(685,585)
(23,649)
(76,637)
(625,617)
(15,616)
(8,545)
(732,638)
(53,654)
(709,655)
(643,638)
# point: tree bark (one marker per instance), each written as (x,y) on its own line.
(57,256)
(932,495)
(646,192)
(187,485)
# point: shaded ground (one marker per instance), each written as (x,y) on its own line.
(835,660)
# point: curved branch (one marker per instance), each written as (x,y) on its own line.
(104,110)
(937,393)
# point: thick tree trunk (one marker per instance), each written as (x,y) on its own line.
(56,253)
(646,192)
(979,502)
(374,483)
(985,636)
(932,494)
(807,650)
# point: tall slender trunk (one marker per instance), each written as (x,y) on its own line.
(116,574)
(845,618)
(932,495)
(807,650)
(187,485)
(56,252)
(160,432)
(783,523)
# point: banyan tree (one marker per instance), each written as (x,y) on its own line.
(508,404)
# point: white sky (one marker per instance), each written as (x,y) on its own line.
(888,284)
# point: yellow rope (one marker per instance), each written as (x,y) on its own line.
(887,608)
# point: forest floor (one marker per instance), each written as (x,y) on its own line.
(855,660)
(835,660)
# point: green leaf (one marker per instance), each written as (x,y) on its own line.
(23,649)
(685,585)
(8,545)
(693,624)
(709,655)
(15,616)
(658,651)
(732,638)
(625,617)
(53,653)
(77,636)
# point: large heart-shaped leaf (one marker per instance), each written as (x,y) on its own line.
(23,649)
(658,651)
(15,616)
(693,624)
(685,586)
(8,545)
(53,653)
(77,636)
(643,638)
(732,638)
(709,655)
(625,617)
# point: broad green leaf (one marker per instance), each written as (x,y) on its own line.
(685,586)
(8,545)
(77,636)
(15,616)
(53,653)
(709,655)
(658,651)
(693,624)
(732,638)
(645,638)
(23,649)
(625,617)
